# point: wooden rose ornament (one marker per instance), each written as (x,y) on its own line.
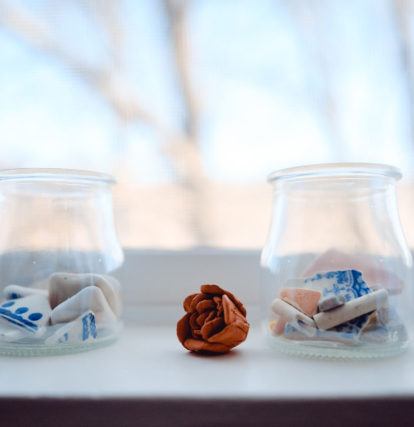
(215,321)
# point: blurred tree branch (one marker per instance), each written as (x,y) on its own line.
(403,14)
(309,26)
(182,144)
(194,178)
(176,12)
(35,33)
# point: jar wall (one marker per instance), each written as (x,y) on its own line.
(342,224)
(58,252)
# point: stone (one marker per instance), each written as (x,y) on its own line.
(330,302)
(16,291)
(305,300)
(348,338)
(347,284)
(292,315)
(372,268)
(384,325)
(89,298)
(9,333)
(277,326)
(352,309)
(65,285)
(81,330)
(31,313)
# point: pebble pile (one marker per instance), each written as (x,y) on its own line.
(335,306)
(67,308)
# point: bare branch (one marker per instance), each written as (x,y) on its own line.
(108,16)
(403,13)
(176,12)
(316,44)
(111,87)
(109,82)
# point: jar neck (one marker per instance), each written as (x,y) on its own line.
(335,188)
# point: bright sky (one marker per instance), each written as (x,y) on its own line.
(258,76)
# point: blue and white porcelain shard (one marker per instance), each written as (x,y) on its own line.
(8,333)
(343,337)
(63,286)
(346,283)
(81,330)
(16,291)
(29,313)
(89,298)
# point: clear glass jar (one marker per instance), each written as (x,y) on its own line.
(58,250)
(336,266)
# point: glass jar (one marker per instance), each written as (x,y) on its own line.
(336,266)
(58,251)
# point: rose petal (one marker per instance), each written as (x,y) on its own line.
(187,302)
(204,346)
(210,316)
(212,327)
(212,289)
(193,321)
(231,335)
(183,328)
(202,318)
(205,305)
(231,313)
(198,298)
(196,333)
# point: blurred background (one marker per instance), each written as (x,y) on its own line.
(191,103)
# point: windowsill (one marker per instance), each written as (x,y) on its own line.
(148,379)
(147,374)
(149,362)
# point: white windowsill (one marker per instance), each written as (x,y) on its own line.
(148,362)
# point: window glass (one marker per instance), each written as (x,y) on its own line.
(190,104)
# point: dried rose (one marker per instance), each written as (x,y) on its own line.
(215,321)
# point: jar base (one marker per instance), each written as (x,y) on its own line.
(324,350)
(35,350)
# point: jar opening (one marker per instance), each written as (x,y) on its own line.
(336,170)
(55,174)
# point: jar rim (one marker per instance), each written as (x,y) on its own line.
(340,170)
(50,174)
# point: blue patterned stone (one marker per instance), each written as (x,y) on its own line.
(347,283)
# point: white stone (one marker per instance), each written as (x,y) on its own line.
(81,330)
(89,298)
(330,302)
(290,314)
(352,309)
(291,333)
(9,333)
(65,285)
(16,291)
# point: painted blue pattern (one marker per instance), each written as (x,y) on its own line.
(349,334)
(35,316)
(17,319)
(88,327)
(347,283)
(64,338)
(8,304)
